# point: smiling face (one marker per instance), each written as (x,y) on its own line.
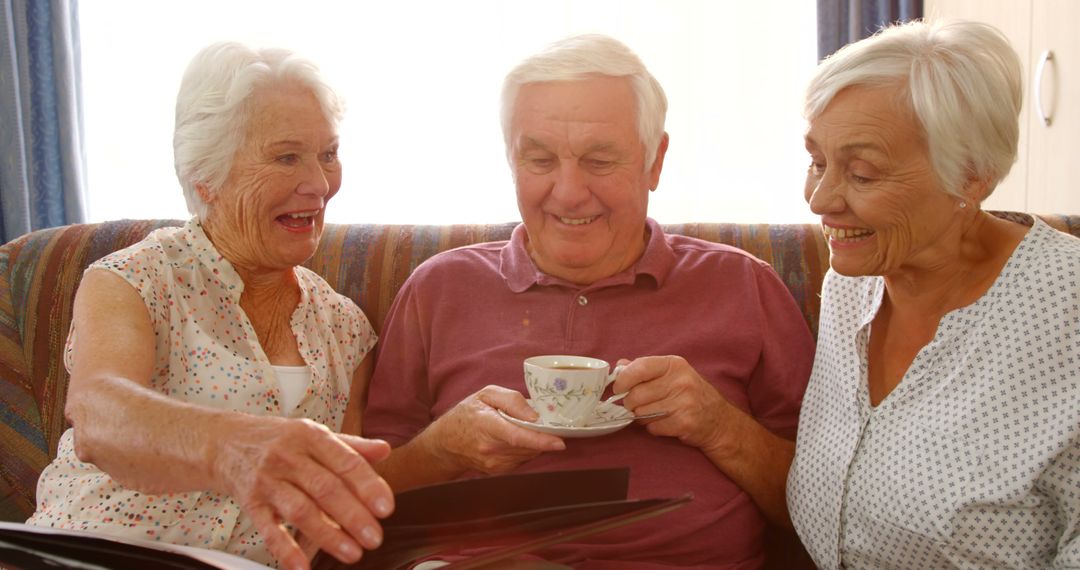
(579,167)
(882,208)
(269,213)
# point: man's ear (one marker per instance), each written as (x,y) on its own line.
(658,162)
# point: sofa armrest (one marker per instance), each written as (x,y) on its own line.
(39,273)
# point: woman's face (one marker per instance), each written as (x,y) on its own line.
(269,213)
(882,208)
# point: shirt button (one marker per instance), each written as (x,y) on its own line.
(582,301)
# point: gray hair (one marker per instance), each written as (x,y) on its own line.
(961,80)
(212,109)
(579,57)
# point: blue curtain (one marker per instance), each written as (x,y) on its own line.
(42,163)
(841,22)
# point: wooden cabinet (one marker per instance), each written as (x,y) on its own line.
(1046,176)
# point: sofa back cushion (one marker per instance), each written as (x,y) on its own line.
(368,263)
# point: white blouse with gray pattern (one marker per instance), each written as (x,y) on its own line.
(973,460)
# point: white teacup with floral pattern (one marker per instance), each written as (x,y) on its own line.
(565,389)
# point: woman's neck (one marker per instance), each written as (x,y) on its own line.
(269,298)
(961,274)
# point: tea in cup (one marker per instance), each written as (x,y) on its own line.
(566,389)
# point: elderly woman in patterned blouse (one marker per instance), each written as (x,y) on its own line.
(941,426)
(210,373)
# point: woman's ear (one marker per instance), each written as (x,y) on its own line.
(204,192)
(975,190)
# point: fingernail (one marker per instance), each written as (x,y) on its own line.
(349,549)
(382,507)
(372,538)
(558,446)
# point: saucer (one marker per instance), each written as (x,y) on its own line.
(604,412)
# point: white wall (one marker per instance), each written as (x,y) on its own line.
(421,140)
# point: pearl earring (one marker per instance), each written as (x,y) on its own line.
(963,204)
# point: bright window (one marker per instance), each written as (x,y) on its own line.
(421,141)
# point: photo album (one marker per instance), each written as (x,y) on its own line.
(470,523)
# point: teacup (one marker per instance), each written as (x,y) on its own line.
(565,389)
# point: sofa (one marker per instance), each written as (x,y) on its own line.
(40,271)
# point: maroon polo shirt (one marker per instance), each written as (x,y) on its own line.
(467,318)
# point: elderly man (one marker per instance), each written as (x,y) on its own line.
(716,338)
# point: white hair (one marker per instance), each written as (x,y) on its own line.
(961,80)
(579,57)
(212,109)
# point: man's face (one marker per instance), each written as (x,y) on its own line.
(579,168)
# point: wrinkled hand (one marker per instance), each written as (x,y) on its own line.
(696,410)
(301,473)
(473,436)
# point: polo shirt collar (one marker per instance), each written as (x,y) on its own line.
(520,273)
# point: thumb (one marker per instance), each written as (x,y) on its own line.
(372,449)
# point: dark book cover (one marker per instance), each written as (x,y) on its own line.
(503,516)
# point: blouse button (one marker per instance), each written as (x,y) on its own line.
(582,301)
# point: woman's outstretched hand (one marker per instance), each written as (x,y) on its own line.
(298,472)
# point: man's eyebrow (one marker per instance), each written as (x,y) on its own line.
(528,142)
(602,147)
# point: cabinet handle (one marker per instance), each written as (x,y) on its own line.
(1039,72)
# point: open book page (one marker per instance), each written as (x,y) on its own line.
(82,549)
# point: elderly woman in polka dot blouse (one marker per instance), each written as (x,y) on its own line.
(941,425)
(210,373)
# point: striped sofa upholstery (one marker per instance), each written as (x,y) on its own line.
(40,271)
